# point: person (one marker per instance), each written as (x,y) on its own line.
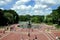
(29,34)
(11,28)
(32,30)
(29,24)
(35,37)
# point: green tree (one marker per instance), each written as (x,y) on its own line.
(35,19)
(8,17)
(24,17)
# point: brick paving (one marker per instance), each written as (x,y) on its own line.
(30,34)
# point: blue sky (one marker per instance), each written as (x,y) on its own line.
(8,5)
(32,7)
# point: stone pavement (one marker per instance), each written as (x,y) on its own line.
(30,34)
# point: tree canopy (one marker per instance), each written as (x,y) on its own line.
(8,17)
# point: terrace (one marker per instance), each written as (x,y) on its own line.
(30,34)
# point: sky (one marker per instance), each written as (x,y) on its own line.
(31,7)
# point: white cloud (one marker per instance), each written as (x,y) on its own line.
(21,7)
(2,8)
(49,1)
(24,7)
(4,2)
(41,7)
(19,2)
(48,9)
(8,0)
(24,0)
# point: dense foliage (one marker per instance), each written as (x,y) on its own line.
(54,17)
(34,18)
(8,17)
(24,17)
